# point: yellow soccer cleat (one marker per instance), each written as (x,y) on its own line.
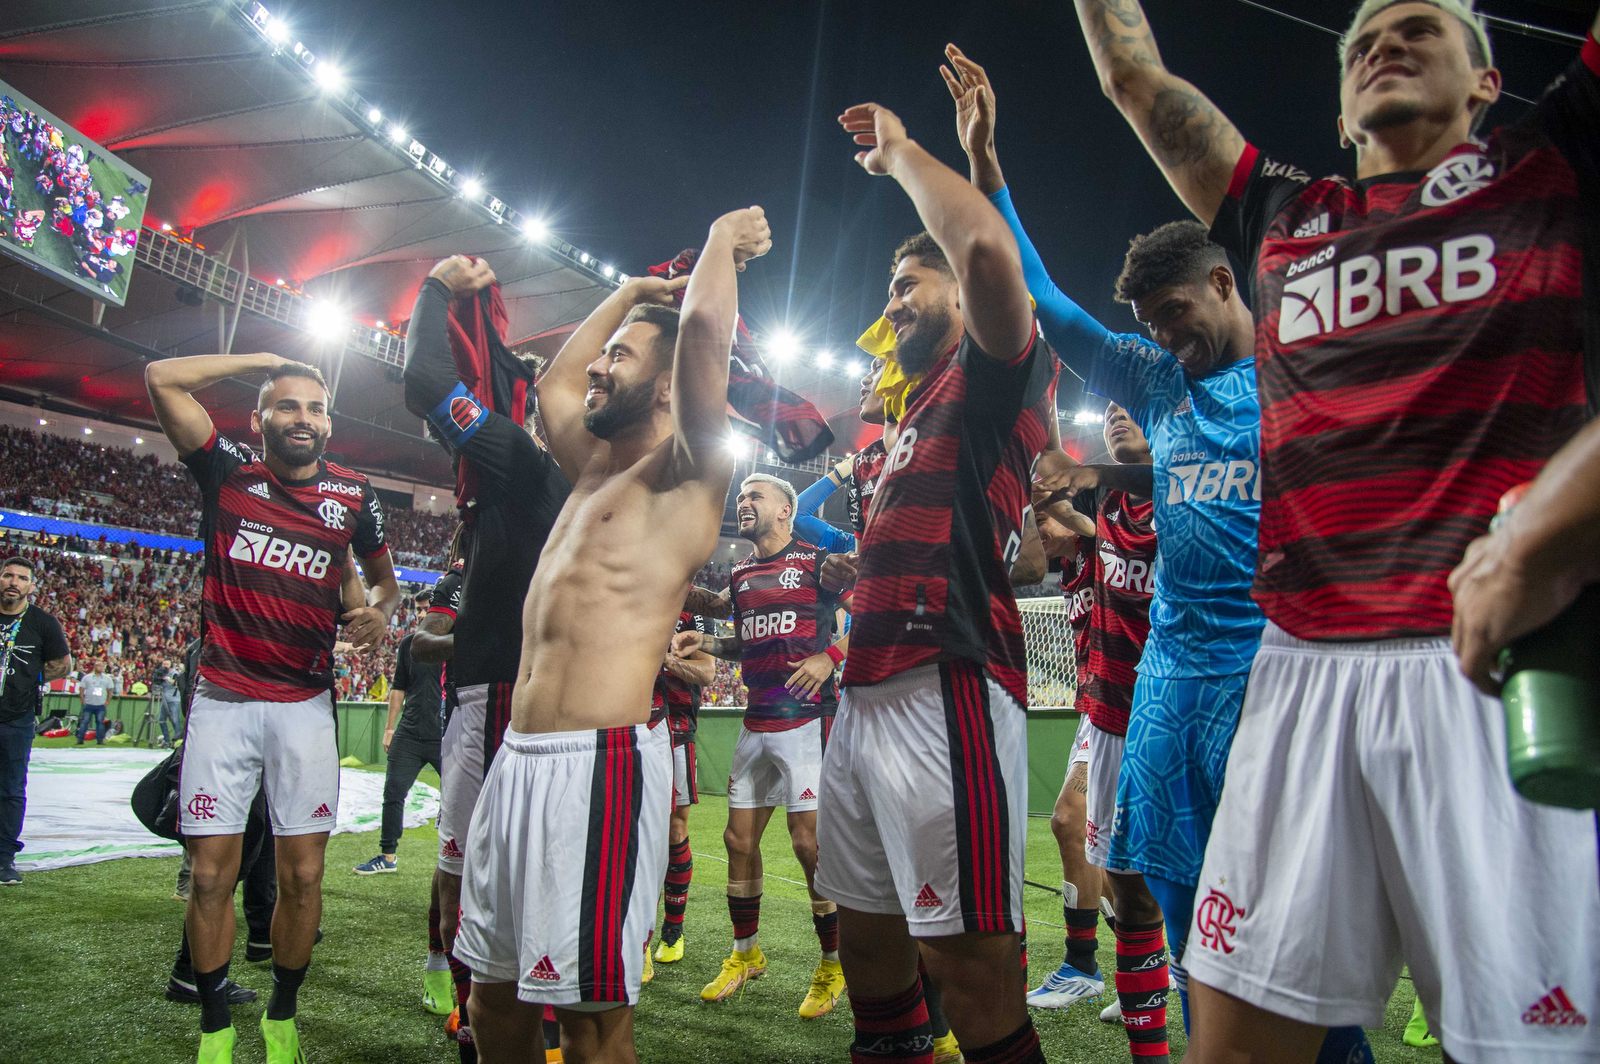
(947,1050)
(737,970)
(827,983)
(217,1047)
(666,954)
(283,1042)
(437,992)
(649,972)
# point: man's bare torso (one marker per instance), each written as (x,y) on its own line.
(601,608)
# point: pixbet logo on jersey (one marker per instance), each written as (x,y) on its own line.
(762,625)
(1359,289)
(255,544)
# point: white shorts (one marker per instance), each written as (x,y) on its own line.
(1368,821)
(927,813)
(773,768)
(1080,744)
(234,749)
(1105,767)
(685,783)
(565,865)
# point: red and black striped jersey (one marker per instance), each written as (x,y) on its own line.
(1077,587)
(275,554)
(1422,345)
(445,602)
(781,614)
(1124,580)
(679,700)
(933,579)
(865,470)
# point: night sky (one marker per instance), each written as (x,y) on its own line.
(631,125)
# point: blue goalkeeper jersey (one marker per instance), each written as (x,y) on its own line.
(1205,436)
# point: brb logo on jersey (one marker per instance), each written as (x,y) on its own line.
(256,545)
(1457,176)
(332,512)
(763,625)
(1135,575)
(790,578)
(1354,292)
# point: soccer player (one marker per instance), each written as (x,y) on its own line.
(276,531)
(636,408)
(783,633)
(1120,588)
(921,838)
(35,653)
(677,694)
(858,475)
(1422,340)
(520,492)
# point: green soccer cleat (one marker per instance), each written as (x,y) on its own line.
(216,1047)
(283,1042)
(438,993)
(1416,1032)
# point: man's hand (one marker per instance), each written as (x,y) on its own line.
(880,129)
(809,675)
(839,571)
(364,627)
(749,232)
(1498,598)
(974,96)
(658,290)
(388,737)
(686,643)
(1059,541)
(462,275)
(1068,481)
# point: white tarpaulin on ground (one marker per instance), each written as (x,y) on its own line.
(78,810)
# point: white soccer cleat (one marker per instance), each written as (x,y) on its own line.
(1066,986)
(1112,1013)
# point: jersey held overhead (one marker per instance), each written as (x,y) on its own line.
(275,554)
(946,522)
(1422,343)
(781,614)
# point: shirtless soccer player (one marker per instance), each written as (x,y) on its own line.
(920,838)
(569,841)
(277,530)
(520,492)
(783,624)
(1422,335)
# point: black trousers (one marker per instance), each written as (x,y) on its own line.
(258,871)
(406,758)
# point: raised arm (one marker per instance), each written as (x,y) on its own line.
(981,250)
(1071,331)
(705,339)
(562,386)
(1193,143)
(703,602)
(172,381)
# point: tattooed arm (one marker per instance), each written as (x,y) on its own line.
(1195,145)
(704,603)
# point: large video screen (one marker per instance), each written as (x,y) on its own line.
(67,206)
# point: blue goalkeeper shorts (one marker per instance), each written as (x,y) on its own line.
(1179,735)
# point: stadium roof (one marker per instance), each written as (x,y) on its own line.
(257,154)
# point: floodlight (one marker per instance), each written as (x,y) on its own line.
(329,76)
(87,431)
(854,368)
(471,187)
(608,271)
(166,227)
(42,421)
(398,134)
(1088,417)
(535,228)
(824,359)
(374,116)
(326,320)
(783,345)
(277,31)
(138,439)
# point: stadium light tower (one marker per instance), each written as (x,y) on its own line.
(330,77)
(471,187)
(535,229)
(783,346)
(327,321)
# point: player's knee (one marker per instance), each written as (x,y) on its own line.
(736,842)
(211,884)
(300,877)
(805,850)
(1067,826)
(1132,900)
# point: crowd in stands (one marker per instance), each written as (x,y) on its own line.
(418,537)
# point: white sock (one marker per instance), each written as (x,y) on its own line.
(745,945)
(831,955)
(437,962)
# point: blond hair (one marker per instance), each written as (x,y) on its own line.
(1461,10)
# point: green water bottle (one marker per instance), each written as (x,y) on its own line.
(1552,702)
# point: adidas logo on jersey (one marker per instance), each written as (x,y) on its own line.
(544,970)
(927,899)
(745,586)
(807,795)
(1358,290)
(274,552)
(322,813)
(260,488)
(1321,225)
(1555,1009)
(449,849)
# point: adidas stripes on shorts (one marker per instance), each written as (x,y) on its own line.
(470,740)
(1368,821)
(926,785)
(685,784)
(232,749)
(565,865)
(773,768)
(1080,744)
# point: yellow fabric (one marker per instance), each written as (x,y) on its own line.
(894,385)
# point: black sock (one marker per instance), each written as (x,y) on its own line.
(1081,941)
(212,987)
(285,991)
(931,998)
(1019,1047)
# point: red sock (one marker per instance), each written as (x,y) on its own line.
(892,1028)
(827,925)
(1142,989)
(746,913)
(1019,1047)
(675,891)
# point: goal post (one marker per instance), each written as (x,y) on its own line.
(1052,668)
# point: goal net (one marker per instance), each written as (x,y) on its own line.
(1052,669)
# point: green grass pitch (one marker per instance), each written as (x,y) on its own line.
(87,950)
